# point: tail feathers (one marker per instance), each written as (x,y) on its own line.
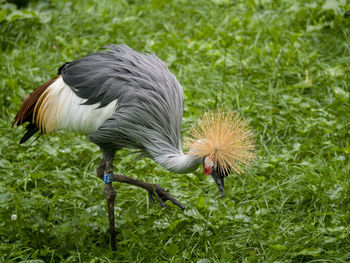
(26,112)
(31,130)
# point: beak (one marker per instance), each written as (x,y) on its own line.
(219,180)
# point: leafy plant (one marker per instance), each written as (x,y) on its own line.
(284,65)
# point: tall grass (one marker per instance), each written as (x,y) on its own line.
(283,64)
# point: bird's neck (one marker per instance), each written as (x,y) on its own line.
(179,163)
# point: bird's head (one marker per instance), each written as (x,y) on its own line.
(225,143)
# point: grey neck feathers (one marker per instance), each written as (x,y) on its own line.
(179,163)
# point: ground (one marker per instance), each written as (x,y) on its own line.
(284,65)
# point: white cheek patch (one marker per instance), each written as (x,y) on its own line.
(208,162)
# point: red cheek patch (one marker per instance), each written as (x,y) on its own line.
(207,170)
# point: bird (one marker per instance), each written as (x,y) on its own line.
(121,98)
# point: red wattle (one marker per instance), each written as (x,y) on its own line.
(207,170)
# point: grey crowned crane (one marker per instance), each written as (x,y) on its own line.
(123,99)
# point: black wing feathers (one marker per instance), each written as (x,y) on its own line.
(31,130)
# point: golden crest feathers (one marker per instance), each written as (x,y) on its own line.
(226,138)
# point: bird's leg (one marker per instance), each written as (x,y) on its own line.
(105,172)
(101,169)
(154,190)
(110,195)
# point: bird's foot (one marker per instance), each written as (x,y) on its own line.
(158,193)
(154,190)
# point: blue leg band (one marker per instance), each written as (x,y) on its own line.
(108,178)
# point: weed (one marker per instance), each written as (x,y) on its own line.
(284,65)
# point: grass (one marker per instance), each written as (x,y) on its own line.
(283,64)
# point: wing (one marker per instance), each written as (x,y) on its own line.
(105,76)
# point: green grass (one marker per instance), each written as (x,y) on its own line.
(285,65)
